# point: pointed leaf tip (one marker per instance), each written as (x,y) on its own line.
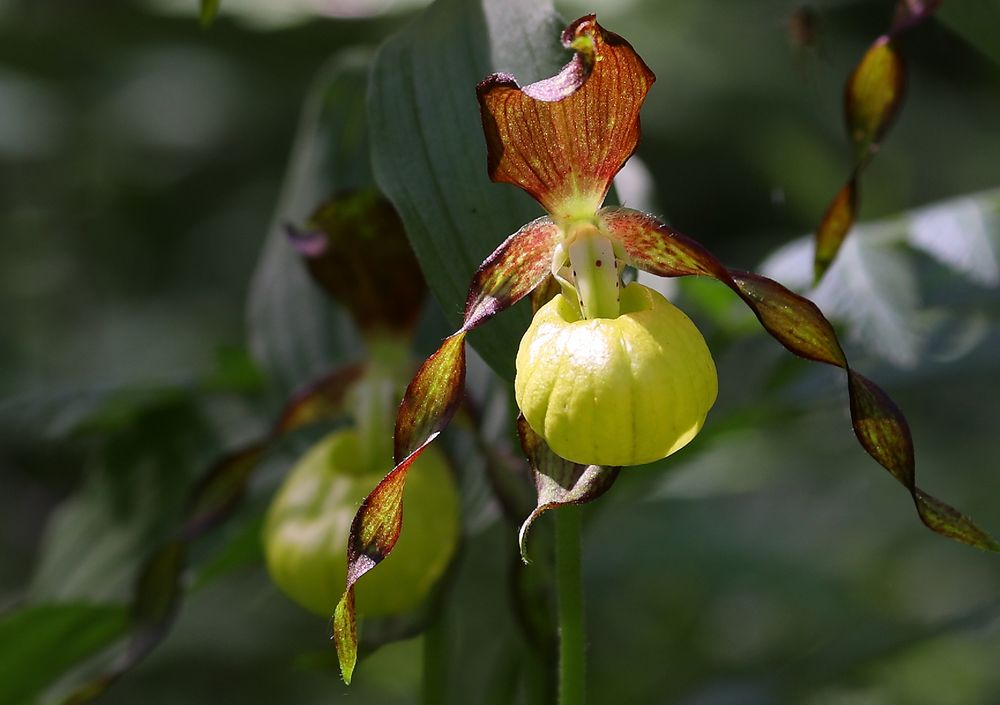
(374,533)
(564,138)
(344,634)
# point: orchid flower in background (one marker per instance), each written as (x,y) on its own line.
(607,375)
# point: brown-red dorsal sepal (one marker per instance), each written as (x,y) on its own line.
(564,138)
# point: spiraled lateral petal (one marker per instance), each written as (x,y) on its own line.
(432,397)
(874,93)
(514,269)
(374,532)
(431,400)
(564,138)
(798,324)
(833,228)
(519,265)
(558,482)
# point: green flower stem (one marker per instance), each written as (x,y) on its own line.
(376,399)
(434,689)
(572,657)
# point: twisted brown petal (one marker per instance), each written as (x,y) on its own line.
(430,402)
(796,323)
(873,96)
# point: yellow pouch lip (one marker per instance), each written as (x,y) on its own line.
(621,391)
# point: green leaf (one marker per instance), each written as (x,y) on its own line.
(96,540)
(39,643)
(295,332)
(429,152)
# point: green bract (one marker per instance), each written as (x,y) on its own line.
(308,523)
(615,391)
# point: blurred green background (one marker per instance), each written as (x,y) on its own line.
(141,161)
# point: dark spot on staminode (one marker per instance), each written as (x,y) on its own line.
(598,263)
(574,272)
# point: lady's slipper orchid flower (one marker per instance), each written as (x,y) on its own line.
(606,375)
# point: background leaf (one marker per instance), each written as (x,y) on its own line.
(429,150)
(295,331)
(39,643)
(976,23)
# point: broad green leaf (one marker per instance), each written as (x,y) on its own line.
(428,147)
(295,331)
(38,643)
(877,295)
(133,496)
